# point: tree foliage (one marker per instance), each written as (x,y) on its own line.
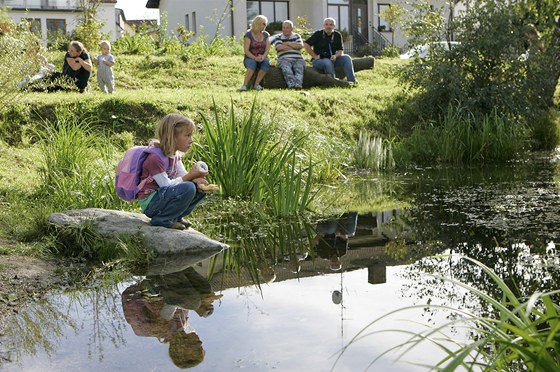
(88,29)
(507,62)
(19,56)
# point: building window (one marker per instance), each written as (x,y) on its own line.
(34,25)
(187,22)
(56,26)
(275,11)
(340,11)
(382,25)
(193,18)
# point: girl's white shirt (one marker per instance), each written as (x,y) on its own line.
(162,179)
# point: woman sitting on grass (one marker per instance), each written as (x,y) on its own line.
(77,65)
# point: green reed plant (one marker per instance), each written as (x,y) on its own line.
(239,149)
(463,138)
(292,192)
(524,335)
(372,153)
(250,160)
(77,168)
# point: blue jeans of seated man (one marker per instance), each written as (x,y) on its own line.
(171,203)
(328,66)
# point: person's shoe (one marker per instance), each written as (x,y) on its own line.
(298,87)
(258,87)
(178,226)
(185,223)
(243,88)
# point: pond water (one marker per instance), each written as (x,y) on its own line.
(292,299)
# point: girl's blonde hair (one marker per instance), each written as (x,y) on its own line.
(169,127)
(257,21)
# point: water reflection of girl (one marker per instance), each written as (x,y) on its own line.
(158,307)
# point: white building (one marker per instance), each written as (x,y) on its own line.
(360,18)
(46,16)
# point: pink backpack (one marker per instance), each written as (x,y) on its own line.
(127,179)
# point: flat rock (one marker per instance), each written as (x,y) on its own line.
(112,224)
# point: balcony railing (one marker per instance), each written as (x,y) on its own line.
(41,4)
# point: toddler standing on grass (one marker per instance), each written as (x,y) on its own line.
(104,63)
(171,193)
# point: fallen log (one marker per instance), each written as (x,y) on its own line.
(312,77)
(113,224)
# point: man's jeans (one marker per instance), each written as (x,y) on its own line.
(328,67)
(292,69)
(171,203)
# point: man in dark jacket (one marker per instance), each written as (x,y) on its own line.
(326,50)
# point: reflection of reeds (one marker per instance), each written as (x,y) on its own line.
(41,326)
(525,334)
(252,258)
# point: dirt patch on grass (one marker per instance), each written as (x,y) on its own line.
(23,279)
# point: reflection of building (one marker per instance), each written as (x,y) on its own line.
(366,249)
(359,20)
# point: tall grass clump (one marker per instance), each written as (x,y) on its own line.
(372,153)
(463,138)
(251,160)
(77,169)
(523,334)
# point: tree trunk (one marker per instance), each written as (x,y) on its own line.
(274,79)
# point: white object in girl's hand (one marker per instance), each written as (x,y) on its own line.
(202,166)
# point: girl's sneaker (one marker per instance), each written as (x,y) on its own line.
(178,226)
(185,223)
(258,87)
(243,88)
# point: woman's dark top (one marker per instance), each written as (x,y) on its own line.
(81,75)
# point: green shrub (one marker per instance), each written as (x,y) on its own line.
(463,138)
(77,169)
(486,72)
(391,51)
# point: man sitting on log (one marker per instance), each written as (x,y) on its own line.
(288,45)
(326,50)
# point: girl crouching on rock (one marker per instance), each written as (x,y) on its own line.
(171,192)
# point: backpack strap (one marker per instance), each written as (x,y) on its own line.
(164,159)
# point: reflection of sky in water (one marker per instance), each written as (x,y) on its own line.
(293,326)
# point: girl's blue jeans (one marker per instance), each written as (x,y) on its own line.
(172,203)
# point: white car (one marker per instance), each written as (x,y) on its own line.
(423,51)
